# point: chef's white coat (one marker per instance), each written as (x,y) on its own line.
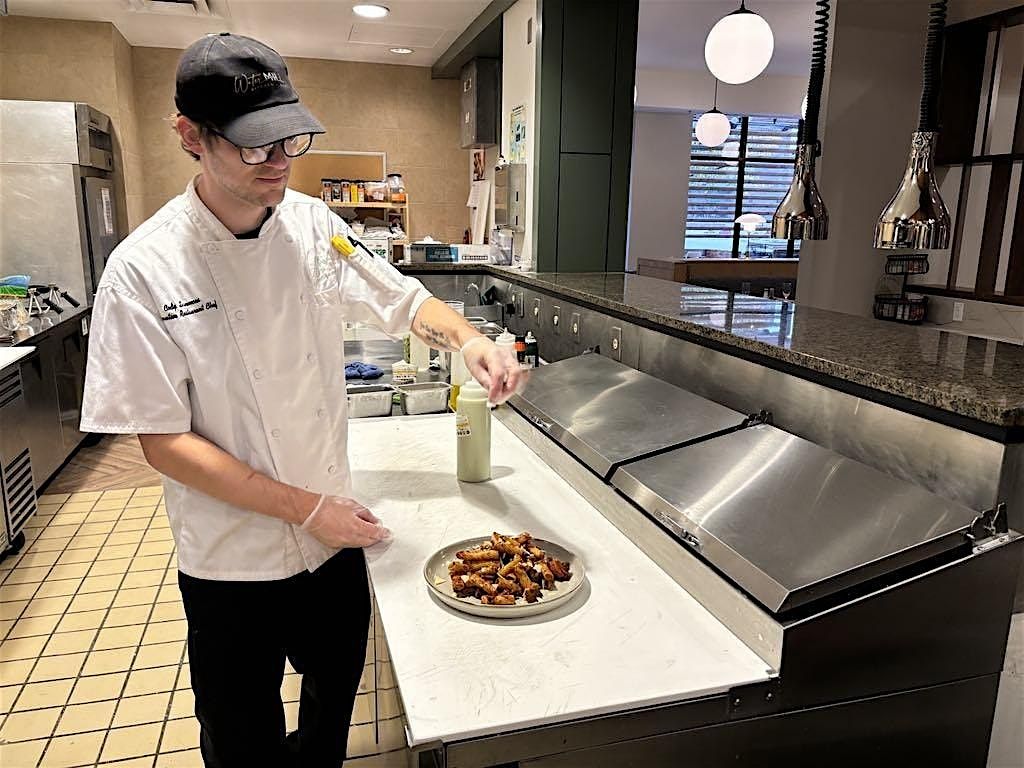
(239,341)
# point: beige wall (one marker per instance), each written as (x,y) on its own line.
(369,107)
(56,60)
(659,186)
(365,107)
(875,71)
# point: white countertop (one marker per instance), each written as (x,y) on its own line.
(11,355)
(631,638)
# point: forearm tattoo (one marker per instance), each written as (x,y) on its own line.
(437,338)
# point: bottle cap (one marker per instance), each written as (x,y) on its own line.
(472,390)
(505,339)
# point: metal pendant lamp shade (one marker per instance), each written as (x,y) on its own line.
(802,214)
(916,217)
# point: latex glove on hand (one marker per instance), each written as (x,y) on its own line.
(344,523)
(496,368)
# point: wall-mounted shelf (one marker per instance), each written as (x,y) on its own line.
(391,206)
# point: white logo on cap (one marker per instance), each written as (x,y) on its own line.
(256,81)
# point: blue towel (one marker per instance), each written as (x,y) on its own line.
(357,370)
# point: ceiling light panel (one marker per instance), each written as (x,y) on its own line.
(395,36)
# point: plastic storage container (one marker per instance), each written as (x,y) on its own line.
(403,373)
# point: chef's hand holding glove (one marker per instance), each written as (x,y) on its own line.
(345,523)
(496,368)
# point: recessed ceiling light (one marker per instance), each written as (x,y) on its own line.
(370,11)
(402,51)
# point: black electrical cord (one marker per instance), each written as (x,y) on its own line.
(819,49)
(929,116)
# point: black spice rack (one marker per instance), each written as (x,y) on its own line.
(903,307)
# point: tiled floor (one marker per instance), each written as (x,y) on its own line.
(93,663)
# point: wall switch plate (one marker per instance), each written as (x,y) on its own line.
(536,310)
(556,319)
(958,311)
(575,326)
(616,343)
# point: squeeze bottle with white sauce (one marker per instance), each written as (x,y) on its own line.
(473,434)
(507,341)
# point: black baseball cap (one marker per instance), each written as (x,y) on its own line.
(240,87)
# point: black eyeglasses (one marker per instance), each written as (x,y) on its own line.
(293,146)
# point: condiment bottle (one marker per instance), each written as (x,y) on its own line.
(419,353)
(507,341)
(473,434)
(532,356)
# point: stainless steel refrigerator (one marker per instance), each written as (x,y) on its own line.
(58,210)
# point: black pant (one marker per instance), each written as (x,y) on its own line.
(239,634)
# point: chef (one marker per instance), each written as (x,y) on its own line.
(217,338)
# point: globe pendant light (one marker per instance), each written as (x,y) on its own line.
(739,46)
(802,214)
(916,217)
(713,128)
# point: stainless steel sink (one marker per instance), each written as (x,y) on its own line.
(492,313)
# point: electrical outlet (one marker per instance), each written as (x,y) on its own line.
(958,311)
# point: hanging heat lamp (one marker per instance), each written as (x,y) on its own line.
(739,47)
(916,217)
(713,127)
(802,214)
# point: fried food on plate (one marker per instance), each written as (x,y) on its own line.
(504,569)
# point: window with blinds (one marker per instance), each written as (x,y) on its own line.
(749,173)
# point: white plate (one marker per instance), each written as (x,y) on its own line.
(435,571)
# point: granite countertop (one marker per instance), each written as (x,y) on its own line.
(980,379)
(719,260)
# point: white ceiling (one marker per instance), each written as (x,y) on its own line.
(672,32)
(322,29)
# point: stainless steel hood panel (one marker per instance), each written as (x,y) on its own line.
(787,520)
(605,413)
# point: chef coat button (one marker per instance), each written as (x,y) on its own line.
(320,413)
(276,433)
(289,239)
(302,298)
(330,470)
(240,314)
(310,357)
(257,373)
